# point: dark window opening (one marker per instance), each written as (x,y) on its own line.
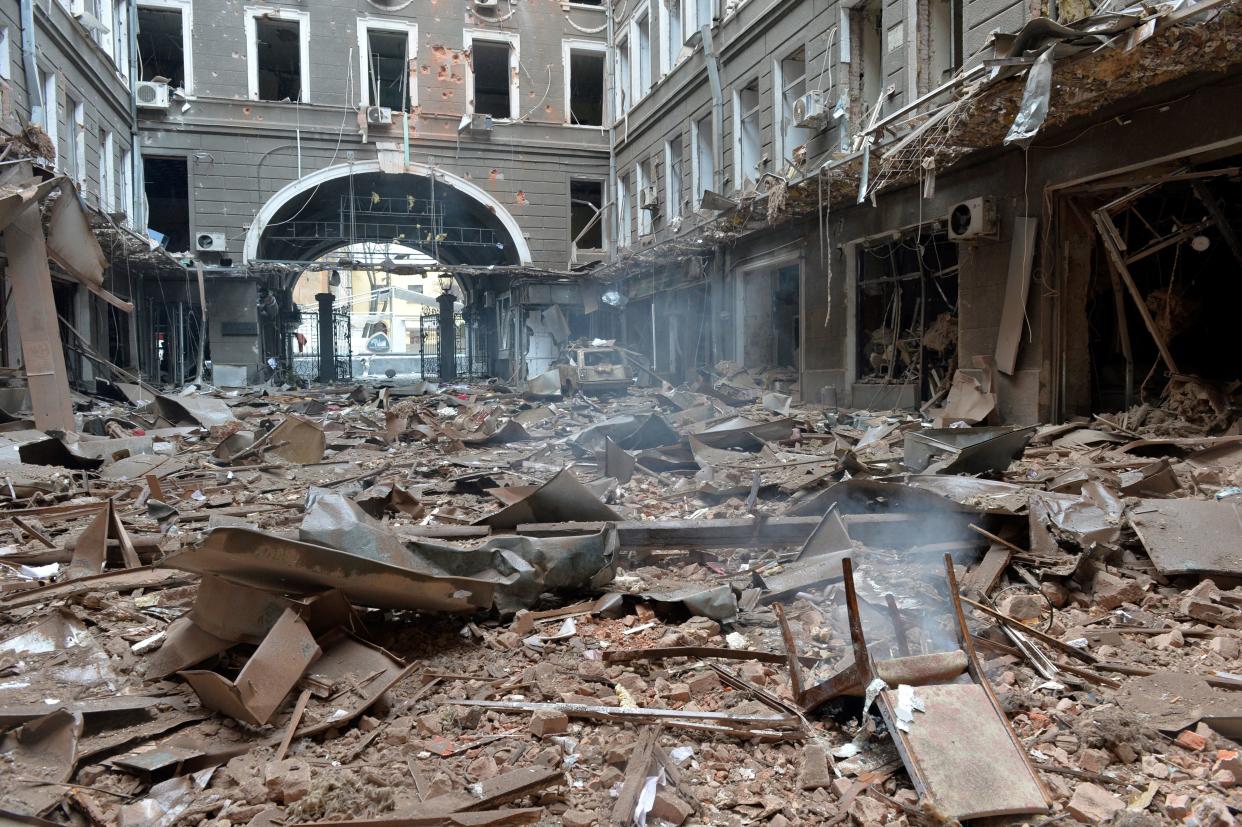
(868,69)
(278,48)
(586,200)
(491,78)
(168,200)
(389,74)
(907,312)
(161,50)
(587,2)
(586,88)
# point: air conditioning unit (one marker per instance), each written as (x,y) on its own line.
(486,4)
(648,199)
(151,95)
(379,116)
(811,111)
(481,123)
(974,219)
(209,242)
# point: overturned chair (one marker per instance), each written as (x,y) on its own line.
(949,728)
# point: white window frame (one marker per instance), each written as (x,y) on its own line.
(515,59)
(51,110)
(623,78)
(6,55)
(780,86)
(692,21)
(186,7)
(644,174)
(127,184)
(77,142)
(365,26)
(637,61)
(624,200)
(697,184)
(670,51)
(673,178)
(107,172)
(568,47)
(253,13)
(739,116)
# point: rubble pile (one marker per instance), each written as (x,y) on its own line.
(468,605)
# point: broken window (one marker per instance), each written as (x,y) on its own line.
(748,135)
(648,197)
(595,3)
(127,185)
(642,58)
(493,78)
(867,68)
(791,85)
(699,13)
(623,79)
(703,168)
(107,172)
(162,45)
(48,122)
(673,38)
(624,208)
(907,312)
(673,158)
(387,51)
(943,54)
(167,190)
(77,141)
(6,57)
(586,86)
(586,199)
(278,71)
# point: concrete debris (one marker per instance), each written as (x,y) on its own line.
(495,631)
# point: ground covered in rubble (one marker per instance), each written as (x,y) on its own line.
(708,605)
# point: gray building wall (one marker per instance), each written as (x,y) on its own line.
(749,40)
(241,152)
(85,73)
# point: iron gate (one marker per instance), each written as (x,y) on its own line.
(304,358)
(429,345)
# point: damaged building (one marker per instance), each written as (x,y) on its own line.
(692,412)
(853,202)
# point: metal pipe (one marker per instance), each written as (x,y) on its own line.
(34,91)
(327,338)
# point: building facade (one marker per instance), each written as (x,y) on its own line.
(279,133)
(64,67)
(786,176)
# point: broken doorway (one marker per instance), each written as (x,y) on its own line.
(907,312)
(167,187)
(770,314)
(1165,281)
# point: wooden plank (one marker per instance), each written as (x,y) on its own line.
(1109,235)
(1017,288)
(636,770)
(984,577)
(960,755)
(42,352)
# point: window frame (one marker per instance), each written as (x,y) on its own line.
(49,86)
(623,78)
(645,176)
(625,199)
(186,8)
(636,61)
(107,172)
(302,18)
(365,26)
(513,40)
(697,185)
(673,195)
(780,88)
(740,118)
(668,55)
(568,47)
(77,141)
